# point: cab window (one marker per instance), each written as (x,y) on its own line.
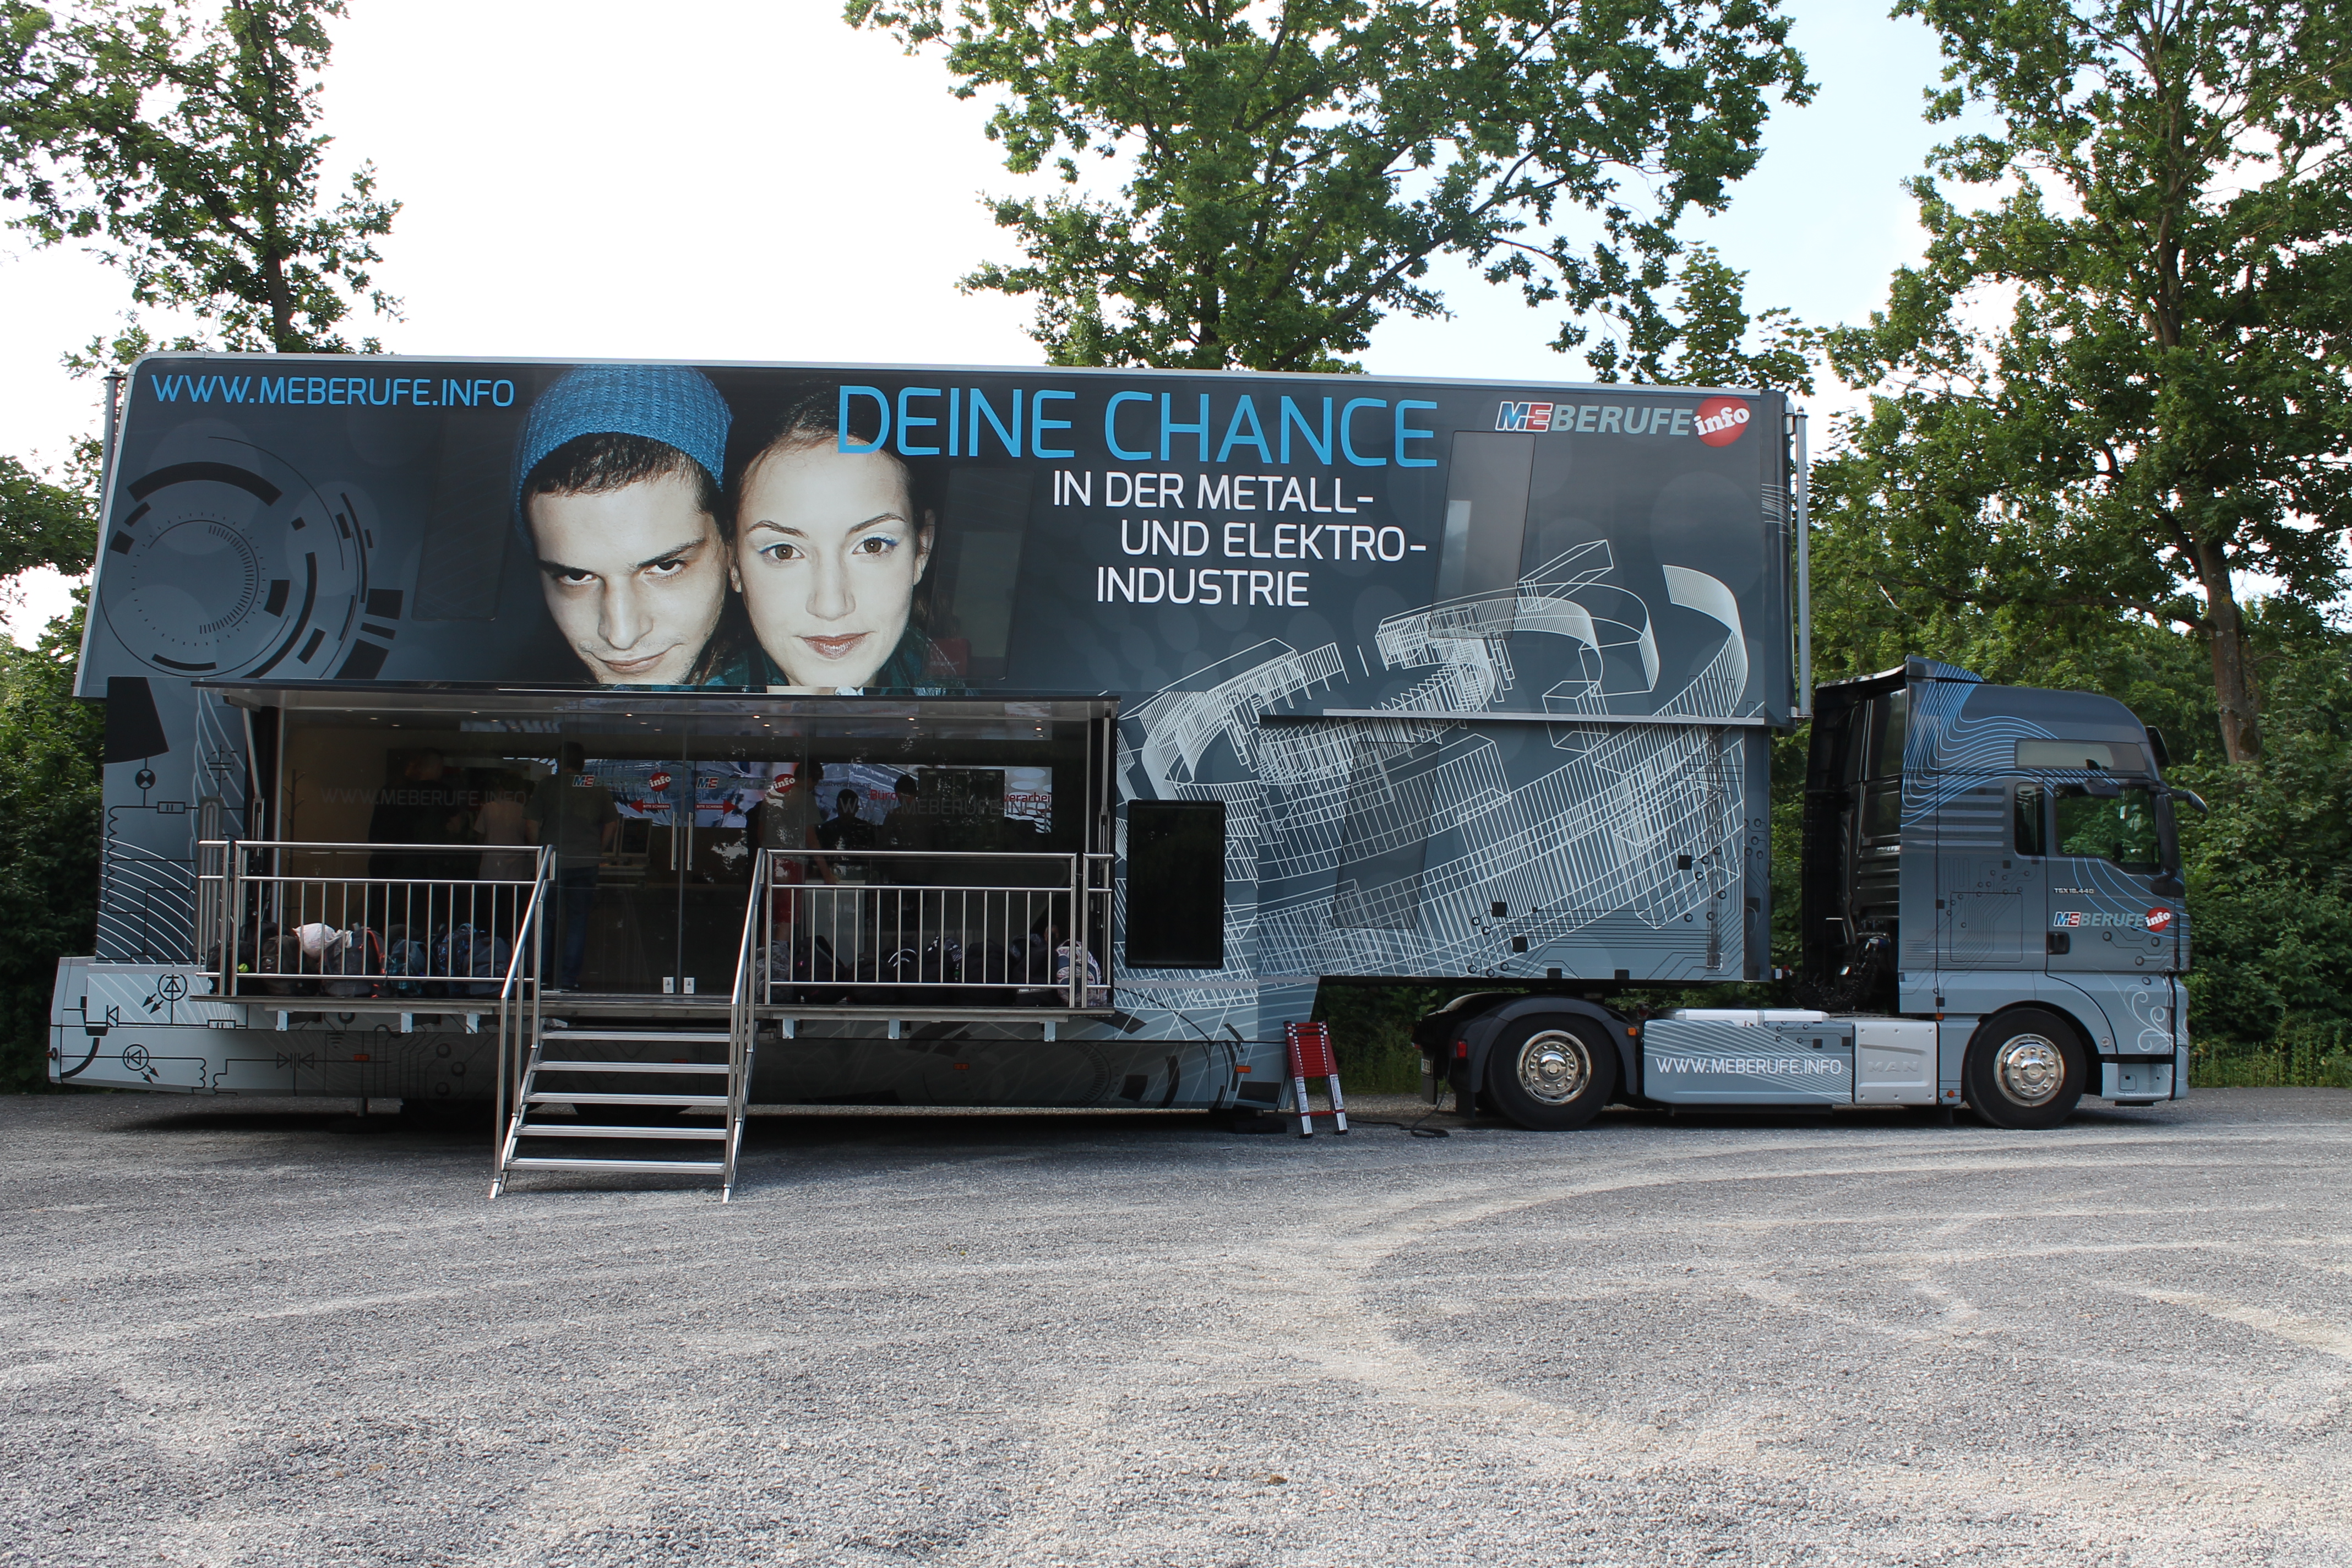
(2032,829)
(1887,745)
(2123,830)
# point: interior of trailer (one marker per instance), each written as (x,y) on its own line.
(932,826)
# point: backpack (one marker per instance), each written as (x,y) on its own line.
(1097,995)
(406,963)
(279,969)
(359,952)
(469,952)
(808,966)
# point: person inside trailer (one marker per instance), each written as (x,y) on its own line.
(427,806)
(572,810)
(618,488)
(844,829)
(785,819)
(908,826)
(412,892)
(830,546)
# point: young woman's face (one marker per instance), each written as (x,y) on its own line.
(636,577)
(829,552)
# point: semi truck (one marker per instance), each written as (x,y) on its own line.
(630,745)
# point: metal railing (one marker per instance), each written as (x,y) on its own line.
(1035,931)
(300,924)
(744,1022)
(519,1019)
(413,923)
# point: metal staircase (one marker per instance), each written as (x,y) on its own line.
(664,1085)
(667,1092)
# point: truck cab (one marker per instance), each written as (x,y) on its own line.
(1973,851)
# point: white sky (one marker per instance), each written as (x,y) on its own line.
(758,182)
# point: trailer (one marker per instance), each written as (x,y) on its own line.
(626,744)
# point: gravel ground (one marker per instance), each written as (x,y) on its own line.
(243,1334)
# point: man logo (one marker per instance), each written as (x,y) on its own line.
(1720,420)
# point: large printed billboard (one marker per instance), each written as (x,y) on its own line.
(1365,555)
(1469,547)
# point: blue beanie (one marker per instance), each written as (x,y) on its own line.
(658,402)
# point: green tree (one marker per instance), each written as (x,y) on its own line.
(50,749)
(43,524)
(184,148)
(2270,872)
(1706,340)
(2161,401)
(1292,167)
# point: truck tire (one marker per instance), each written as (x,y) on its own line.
(1549,1073)
(2026,1070)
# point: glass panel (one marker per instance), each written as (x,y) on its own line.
(431,906)
(1882,817)
(2123,830)
(903,833)
(615,811)
(2115,756)
(655,817)
(1894,715)
(2032,837)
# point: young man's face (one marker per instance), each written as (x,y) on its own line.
(636,577)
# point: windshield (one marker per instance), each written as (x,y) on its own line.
(2124,830)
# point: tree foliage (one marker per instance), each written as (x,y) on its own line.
(2270,873)
(2123,381)
(44,523)
(183,147)
(49,836)
(1705,341)
(1292,167)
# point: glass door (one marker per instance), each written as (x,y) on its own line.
(653,861)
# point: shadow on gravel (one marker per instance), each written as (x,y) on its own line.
(1890,1119)
(773,1134)
(436,1127)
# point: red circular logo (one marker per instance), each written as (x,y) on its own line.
(1720,420)
(658,782)
(2160,920)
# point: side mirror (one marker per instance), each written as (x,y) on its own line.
(2192,797)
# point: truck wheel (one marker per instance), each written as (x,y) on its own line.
(1551,1074)
(2027,1071)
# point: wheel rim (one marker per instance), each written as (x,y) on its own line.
(2030,1069)
(1554,1066)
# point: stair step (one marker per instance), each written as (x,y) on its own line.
(719,1067)
(565,1097)
(670,1167)
(603,1129)
(642,1037)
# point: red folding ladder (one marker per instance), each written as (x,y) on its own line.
(1310,1057)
